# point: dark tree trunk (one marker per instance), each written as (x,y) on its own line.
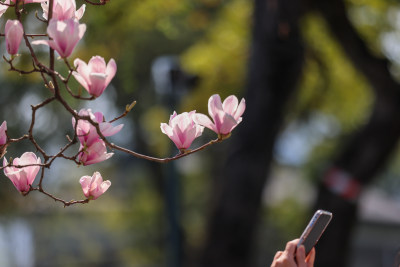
(275,67)
(369,148)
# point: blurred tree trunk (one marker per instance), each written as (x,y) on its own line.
(369,148)
(275,67)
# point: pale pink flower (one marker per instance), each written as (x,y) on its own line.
(95,153)
(63,9)
(87,133)
(30,1)
(13,33)
(181,129)
(3,135)
(23,177)
(65,34)
(3,8)
(94,186)
(226,115)
(96,75)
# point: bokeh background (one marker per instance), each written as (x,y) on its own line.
(316,76)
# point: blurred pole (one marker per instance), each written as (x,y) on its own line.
(171,83)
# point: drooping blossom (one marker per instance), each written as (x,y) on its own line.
(226,116)
(65,34)
(3,135)
(63,9)
(87,133)
(93,148)
(94,153)
(3,8)
(94,186)
(96,75)
(181,129)
(23,177)
(13,33)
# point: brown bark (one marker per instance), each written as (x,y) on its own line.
(275,66)
(370,147)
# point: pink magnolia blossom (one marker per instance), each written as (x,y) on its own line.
(87,133)
(3,8)
(30,1)
(181,129)
(63,9)
(96,75)
(3,135)
(65,34)
(22,178)
(94,186)
(13,33)
(226,115)
(95,153)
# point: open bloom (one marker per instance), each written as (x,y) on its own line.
(65,35)
(226,115)
(63,9)
(87,133)
(181,129)
(95,153)
(3,136)
(31,1)
(96,75)
(94,186)
(23,177)
(13,33)
(3,8)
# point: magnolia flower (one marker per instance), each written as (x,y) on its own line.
(30,1)
(87,133)
(95,153)
(96,75)
(181,129)
(226,115)
(94,186)
(3,135)
(3,8)
(13,33)
(63,9)
(23,177)
(64,34)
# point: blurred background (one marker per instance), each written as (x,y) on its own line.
(321,83)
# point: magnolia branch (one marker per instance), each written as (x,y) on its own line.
(91,130)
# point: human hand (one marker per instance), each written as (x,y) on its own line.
(287,258)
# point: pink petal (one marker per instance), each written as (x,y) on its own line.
(79,13)
(110,71)
(3,136)
(230,104)
(85,183)
(214,106)
(97,84)
(240,110)
(205,121)
(99,117)
(108,130)
(228,124)
(97,64)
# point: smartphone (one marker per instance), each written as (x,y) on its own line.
(314,229)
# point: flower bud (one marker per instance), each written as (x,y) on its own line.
(94,186)
(13,33)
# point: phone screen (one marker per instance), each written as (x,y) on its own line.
(314,229)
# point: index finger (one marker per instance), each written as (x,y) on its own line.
(291,246)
